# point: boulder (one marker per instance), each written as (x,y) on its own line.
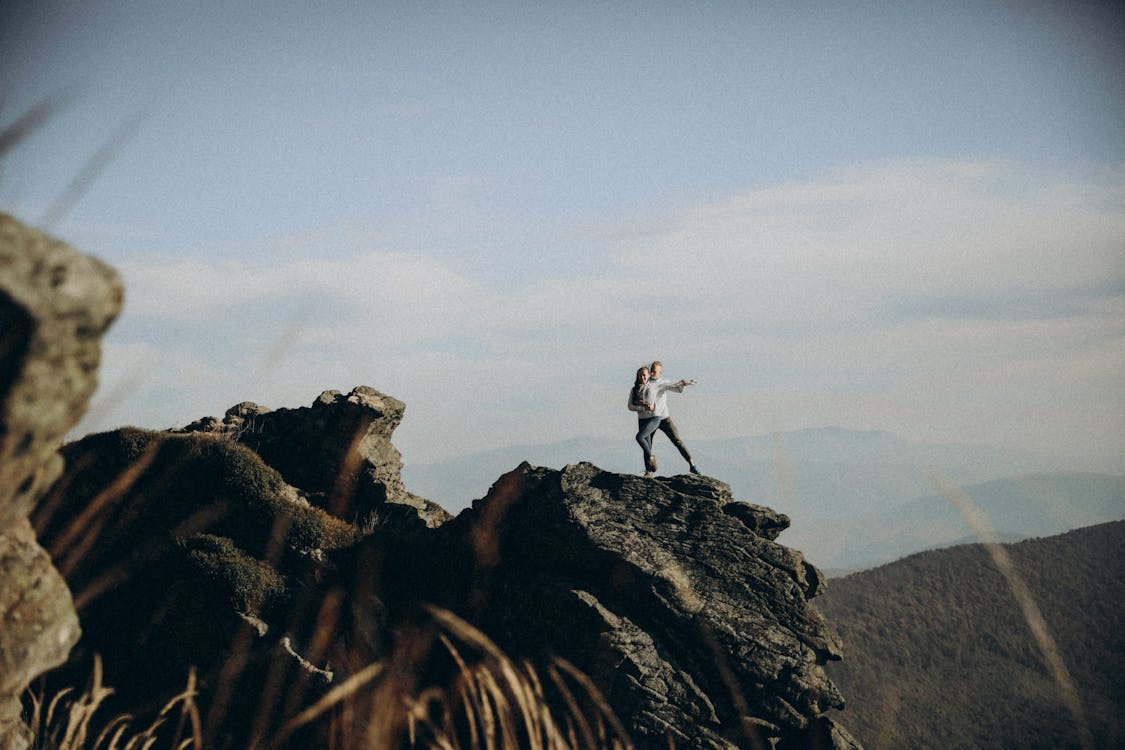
(208,547)
(187,552)
(55,304)
(338,450)
(674,597)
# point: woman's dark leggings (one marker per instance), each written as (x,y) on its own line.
(645,428)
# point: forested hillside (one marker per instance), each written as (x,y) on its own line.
(938,652)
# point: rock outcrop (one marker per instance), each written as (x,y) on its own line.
(278,552)
(673,596)
(185,550)
(339,451)
(207,547)
(54,306)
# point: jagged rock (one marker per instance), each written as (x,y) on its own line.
(675,598)
(670,594)
(54,306)
(187,551)
(338,450)
(182,543)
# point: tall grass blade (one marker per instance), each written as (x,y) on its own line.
(336,695)
(1052,655)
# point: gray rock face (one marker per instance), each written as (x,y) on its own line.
(338,450)
(675,598)
(218,534)
(54,306)
(670,594)
(184,548)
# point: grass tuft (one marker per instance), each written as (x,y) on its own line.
(70,722)
(488,702)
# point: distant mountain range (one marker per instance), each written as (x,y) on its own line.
(938,651)
(1017,508)
(856,498)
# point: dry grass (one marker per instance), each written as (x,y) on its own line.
(66,723)
(491,703)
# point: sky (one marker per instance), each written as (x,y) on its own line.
(897,216)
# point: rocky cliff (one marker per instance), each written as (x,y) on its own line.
(338,450)
(278,552)
(54,306)
(673,596)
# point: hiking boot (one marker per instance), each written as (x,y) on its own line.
(648,475)
(696,471)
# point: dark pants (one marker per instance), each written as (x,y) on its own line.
(669,429)
(645,428)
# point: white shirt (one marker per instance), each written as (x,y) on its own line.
(656,392)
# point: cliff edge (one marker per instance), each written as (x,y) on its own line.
(280,549)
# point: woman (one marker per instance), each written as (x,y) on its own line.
(647,421)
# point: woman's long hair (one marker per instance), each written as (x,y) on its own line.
(638,384)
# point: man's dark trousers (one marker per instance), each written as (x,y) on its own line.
(669,429)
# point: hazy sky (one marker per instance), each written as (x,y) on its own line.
(903,216)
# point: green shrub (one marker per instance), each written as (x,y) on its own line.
(249,584)
(236,475)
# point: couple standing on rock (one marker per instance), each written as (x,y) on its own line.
(649,398)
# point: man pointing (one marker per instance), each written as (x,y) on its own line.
(657,392)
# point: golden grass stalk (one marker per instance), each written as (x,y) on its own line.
(491,703)
(605,712)
(333,697)
(584,729)
(467,689)
(505,705)
(68,723)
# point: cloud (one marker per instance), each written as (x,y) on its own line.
(408,297)
(940,300)
(858,239)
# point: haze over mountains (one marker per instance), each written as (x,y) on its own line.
(1032,505)
(856,498)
